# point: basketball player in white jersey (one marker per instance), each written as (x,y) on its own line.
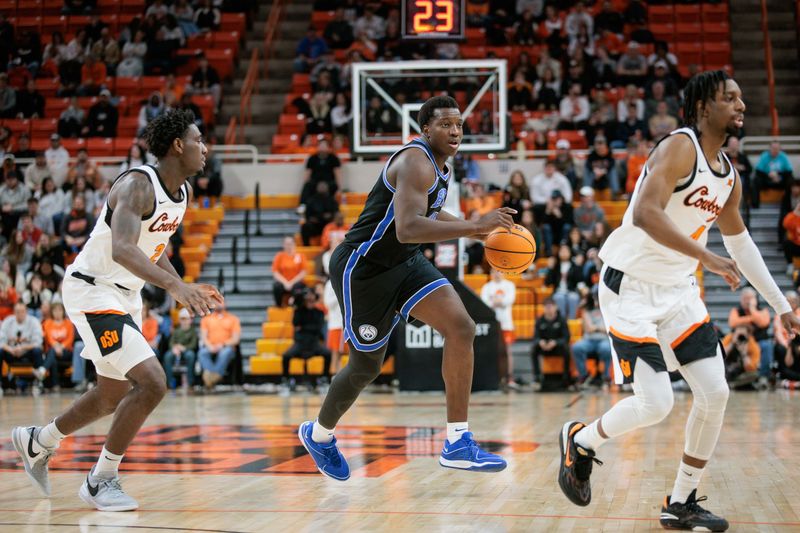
(651,303)
(101,293)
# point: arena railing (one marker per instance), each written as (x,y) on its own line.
(770,70)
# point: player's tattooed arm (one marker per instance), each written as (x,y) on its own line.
(413,176)
(130,200)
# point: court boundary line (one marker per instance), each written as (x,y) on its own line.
(409,513)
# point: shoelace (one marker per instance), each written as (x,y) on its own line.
(113,485)
(695,507)
(332,454)
(583,466)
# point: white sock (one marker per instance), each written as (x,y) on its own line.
(108,464)
(321,434)
(589,437)
(49,436)
(455,430)
(688,479)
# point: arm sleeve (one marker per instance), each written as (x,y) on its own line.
(745,252)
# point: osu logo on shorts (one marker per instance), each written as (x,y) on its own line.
(109,338)
(626,368)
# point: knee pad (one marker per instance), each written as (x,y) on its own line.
(655,407)
(364,366)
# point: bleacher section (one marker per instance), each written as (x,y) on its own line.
(697,34)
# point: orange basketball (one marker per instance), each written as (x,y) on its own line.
(510,251)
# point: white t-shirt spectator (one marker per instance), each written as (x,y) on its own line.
(374,26)
(573,23)
(500,296)
(58,161)
(622,109)
(574,110)
(542,187)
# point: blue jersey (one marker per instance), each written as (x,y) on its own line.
(374,235)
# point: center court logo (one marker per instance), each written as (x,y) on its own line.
(367,332)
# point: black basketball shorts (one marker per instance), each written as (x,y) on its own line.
(373,298)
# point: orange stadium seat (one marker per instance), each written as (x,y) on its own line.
(660,14)
(77,22)
(73,145)
(689,52)
(100,147)
(53,107)
(320,19)
(717,31)
(47,87)
(43,127)
(292,124)
(687,13)
(8,8)
(127,126)
(128,87)
(227,39)
(132,6)
(52,24)
(715,13)
(28,23)
(688,32)
(301,83)
(233,22)
(663,32)
(30,8)
(18,126)
(716,53)
(122,145)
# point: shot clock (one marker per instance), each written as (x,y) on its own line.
(433,20)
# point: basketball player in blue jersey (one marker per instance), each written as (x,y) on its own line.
(380,276)
(651,303)
(102,296)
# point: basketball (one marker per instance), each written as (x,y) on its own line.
(510,251)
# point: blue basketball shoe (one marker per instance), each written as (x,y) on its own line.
(328,458)
(465,454)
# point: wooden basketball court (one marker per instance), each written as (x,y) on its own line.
(233,463)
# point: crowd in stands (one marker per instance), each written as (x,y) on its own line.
(51,197)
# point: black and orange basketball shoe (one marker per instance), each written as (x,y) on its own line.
(576,466)
(690,516)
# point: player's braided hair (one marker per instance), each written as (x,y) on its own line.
(702,87)
(432,104)
(165,128)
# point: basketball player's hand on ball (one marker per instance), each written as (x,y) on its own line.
(723,266)
(198,298)
(791,323)
(498,218)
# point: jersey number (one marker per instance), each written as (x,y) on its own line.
(157,253)
(699,231)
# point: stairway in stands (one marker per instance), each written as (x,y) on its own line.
(763,228)
(254,279)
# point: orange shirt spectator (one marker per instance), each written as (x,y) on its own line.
(220,327)
(93,72)
(635,164)
(8,297)
(791,223)
(289,265)
(58,331)
(334,231)
(150,328)
(611,42)
(753,352)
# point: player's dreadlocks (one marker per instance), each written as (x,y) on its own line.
(165,128)
(432,104)
(702,87)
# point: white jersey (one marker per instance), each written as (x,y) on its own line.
(95,260)
(507,292)
(695,204)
